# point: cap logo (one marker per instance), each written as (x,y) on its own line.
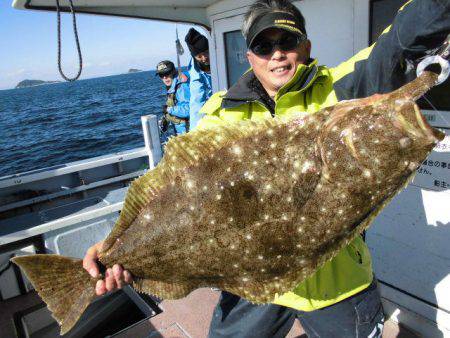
(162,67)
(295,29)
(290,22)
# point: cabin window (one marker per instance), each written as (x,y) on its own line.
(235,56)
(382,13)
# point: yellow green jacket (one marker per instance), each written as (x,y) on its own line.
(380,68)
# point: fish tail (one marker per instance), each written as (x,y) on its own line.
(62,283)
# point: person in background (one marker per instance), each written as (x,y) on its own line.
(199,73)
(176,109)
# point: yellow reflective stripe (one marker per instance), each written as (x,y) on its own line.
(408,2)
(348,66)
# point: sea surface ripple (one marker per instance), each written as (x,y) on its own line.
(63,122)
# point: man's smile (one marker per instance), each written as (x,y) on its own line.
(281,70)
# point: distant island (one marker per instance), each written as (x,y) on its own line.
(32,83)
(133,70)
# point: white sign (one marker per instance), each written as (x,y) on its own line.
(434,172)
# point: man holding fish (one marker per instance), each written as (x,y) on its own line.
(340,299)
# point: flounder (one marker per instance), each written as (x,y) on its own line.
(253,208)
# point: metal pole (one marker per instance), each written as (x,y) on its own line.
(180,51)
(151,139)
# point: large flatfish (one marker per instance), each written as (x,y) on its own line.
(253,208)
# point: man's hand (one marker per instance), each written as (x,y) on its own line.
(115,278)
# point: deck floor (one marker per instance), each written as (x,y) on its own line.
(190,317)
(184,318)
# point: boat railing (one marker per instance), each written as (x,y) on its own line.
(152,139)
(43,200)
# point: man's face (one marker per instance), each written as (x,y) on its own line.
(203,58)
(277,68)
(167,79)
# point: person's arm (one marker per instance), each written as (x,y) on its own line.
(181,109)
(419,27)
(199,91)
(115,277)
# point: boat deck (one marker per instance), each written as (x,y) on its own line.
(184,318)
(190,317)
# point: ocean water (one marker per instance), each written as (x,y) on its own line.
(58,123)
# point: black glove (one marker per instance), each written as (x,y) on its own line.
(163,124)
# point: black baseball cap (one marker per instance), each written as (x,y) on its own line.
(165,67)
(281,20)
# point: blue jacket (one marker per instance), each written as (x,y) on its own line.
(182,95)
(201,90)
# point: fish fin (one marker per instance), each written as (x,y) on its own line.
(162,290)
(62,283)
(180,152)
(190,149)
(140,192)
(262,292)
(254,293)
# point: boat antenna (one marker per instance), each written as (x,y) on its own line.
(75,31)
(180,51)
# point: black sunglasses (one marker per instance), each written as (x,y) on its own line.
(161,75)
(263,46)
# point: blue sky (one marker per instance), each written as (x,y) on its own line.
(110,45)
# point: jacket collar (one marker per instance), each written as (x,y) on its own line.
(177,81)
(242,92)
(173,86)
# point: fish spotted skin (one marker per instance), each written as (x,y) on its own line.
(231,227)
(275,200)
(253,208)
